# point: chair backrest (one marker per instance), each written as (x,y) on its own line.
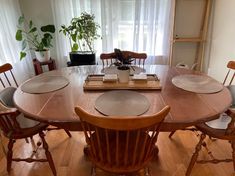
(110,58)
(6,70)
(121,144)
(231,67)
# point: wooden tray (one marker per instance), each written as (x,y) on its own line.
(95,82)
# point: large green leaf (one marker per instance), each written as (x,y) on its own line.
(47,35)
(40,47)
(20,20)
(48,28)
(74,37)
(22,55)
(46,42)
(75,47)
(30,24)
(19,35)
(33,30)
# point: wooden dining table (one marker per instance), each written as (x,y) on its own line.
(57,107)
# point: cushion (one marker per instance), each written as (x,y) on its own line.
(220,123)
(6,98)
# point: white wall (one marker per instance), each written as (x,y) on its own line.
(223,38)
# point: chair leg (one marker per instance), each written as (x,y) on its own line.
(93,171)
(146,171)
(171,134)
(233,153)
(10,154)
(48,154)
(26,140)
(195,154)
(68,133)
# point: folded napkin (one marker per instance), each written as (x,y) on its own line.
(110,77)
(139,77)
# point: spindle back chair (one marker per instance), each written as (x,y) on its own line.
(121,144)
(9,78)
(228,79)
(231,68)
(110,58)
(12,130)
(215,130)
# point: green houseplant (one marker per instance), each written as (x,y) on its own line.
(82,32)
(123,65)
(33,39)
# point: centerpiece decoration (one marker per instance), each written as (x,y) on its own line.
(123,65)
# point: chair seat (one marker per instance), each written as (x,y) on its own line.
(6,96)
(27,132)
(215,133)
(26,122)
(122,145)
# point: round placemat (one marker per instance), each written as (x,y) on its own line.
(197,83)
(122,103)
(44,84)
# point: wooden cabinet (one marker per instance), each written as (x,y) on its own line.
(189,33)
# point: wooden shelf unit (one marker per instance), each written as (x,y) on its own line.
(192,39)
(199,40)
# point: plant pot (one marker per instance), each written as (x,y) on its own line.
(77,58)
(123,74)
(43,56)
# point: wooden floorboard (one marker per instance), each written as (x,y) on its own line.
(69,160)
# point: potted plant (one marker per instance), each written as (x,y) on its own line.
(123,67)
(82,32)
(30,36)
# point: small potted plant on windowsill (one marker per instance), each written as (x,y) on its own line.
(30,36)
(123,66)
(82,32)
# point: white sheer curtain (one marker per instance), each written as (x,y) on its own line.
(9,47)
(136,25)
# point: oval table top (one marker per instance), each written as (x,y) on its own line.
(187,108)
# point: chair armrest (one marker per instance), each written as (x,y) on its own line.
(4,110)
(231,128)
(230,112)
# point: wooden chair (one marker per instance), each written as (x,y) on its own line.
(110,58)
(227,81)
(6,70)
(231,68)
(7,79)
(222,128)
(121,144)
(13,129)
(218,131)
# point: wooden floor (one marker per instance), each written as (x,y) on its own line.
(68,156)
